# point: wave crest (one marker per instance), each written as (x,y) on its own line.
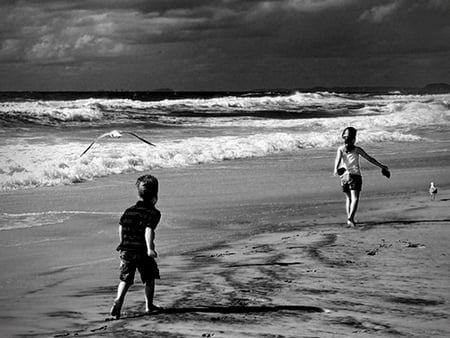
(44,167)
(185,111)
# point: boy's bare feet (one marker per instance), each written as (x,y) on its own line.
(115,310)
(350,223)
(153,309)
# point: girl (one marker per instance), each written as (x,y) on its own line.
(350,174)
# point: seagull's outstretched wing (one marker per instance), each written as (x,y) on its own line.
(117,134)
(138,137)
(98,138)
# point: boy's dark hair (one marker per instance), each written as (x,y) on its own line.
(147,186)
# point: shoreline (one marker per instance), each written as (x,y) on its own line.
(374,281)
(238,245)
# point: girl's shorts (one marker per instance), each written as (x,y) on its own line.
(351,182)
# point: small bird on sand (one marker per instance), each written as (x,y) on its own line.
(117,134)
(433,191)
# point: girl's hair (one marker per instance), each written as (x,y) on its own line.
(147,187)
(350,139)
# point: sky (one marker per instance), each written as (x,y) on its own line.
(217,45)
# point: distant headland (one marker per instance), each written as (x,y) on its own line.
(437,88)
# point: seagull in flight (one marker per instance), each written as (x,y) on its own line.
(117,134)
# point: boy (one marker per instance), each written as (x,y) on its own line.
(137,247)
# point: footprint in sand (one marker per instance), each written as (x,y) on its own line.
(100,328)
(414,245)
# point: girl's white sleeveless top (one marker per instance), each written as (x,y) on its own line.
(351,161)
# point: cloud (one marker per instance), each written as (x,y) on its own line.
(380,13)
(441,4)
(315,5)
(65,31)
(41,35)
(206,40)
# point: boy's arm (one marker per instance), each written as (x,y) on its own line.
(150,242)
(121,233)
(370,158)
(337,161)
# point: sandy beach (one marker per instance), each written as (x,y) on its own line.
(247,248)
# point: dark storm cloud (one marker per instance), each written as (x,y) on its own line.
(218,43)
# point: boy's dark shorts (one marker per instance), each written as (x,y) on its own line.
(352,182)
(146,265)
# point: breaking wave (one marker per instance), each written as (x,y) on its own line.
(213,111)
(44,165)
(34,153)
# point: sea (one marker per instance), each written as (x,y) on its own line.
(57,264)
(43,135)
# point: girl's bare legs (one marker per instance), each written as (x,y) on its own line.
(348,201)
(354,201)
(351,206)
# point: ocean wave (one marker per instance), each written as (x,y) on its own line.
(16,114)
(401,115)
(51,165)
(98,112)
(227,128)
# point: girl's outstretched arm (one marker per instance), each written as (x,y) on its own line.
(337,161)
(370,158)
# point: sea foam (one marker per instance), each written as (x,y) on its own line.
(9,221)
(201,131)
(44,165)
(94,111)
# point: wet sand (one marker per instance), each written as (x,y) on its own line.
(251,248)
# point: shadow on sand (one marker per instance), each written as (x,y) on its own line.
(228,310)
(370,225)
